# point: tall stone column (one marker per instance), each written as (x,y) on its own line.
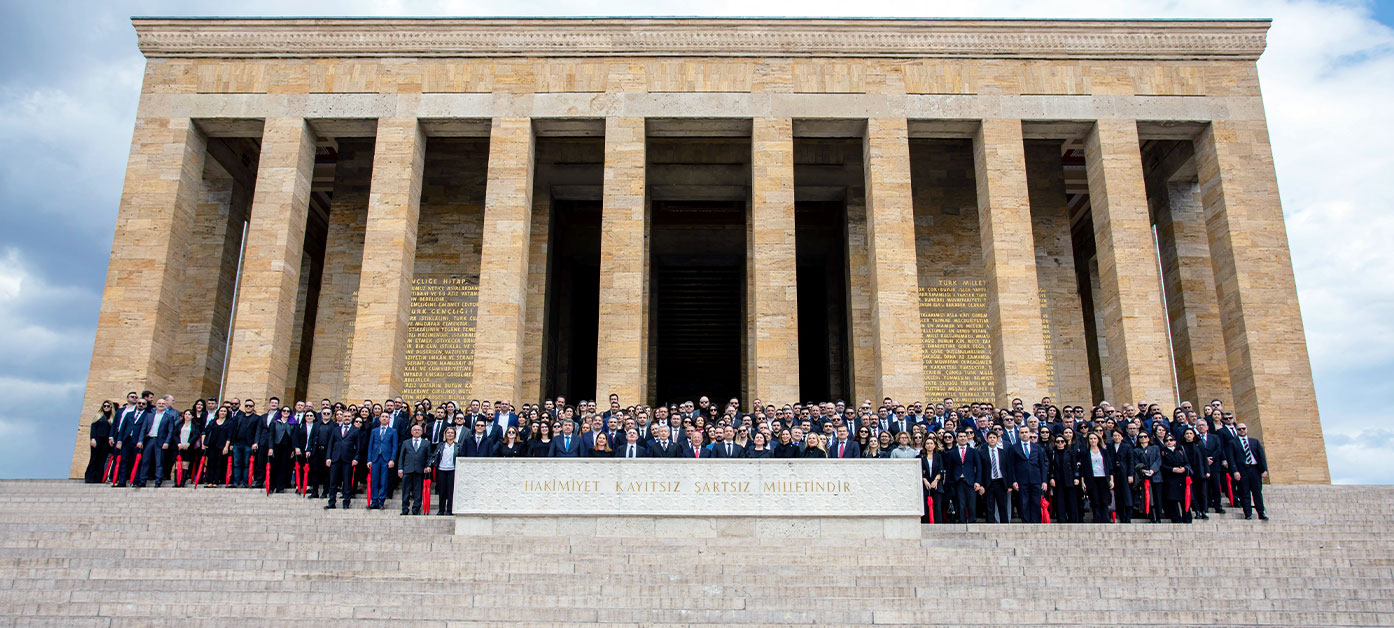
(890,227)
(774,294)
(503,264)
(1202,371)
(1139,354)
(389,256)
(1009,260)
(534,332)
(266,295)
(859,294)
(343,264)
(622,332)
(136,326)
(1267,348)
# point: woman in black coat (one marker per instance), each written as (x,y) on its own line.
(1064,481)
(786,448)
(217,441)
(759,448)
(510,446)
(186,445)
(1175,470)
(98,440)
(932,479)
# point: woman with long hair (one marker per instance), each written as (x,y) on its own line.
(813,447)
(99,439)
(602,445)
(444,463)
(188,446)
(932,475)
(510,446)
(540,446)
(217,442)
(1097,468)
(1064,480)
(759,446)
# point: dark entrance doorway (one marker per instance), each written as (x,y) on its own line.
(821,245)
(697,278)
(574,280)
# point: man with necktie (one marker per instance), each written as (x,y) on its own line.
(1029,474)
(727,447)
(314,445)
(901,423)
(961,464)
(1250,469)
(997,466)
(156,431)
(478,444)
(662,446)
(844,447)
(693,448)
(341,459)
(1213,451)
(566,445)
(413,465)
(124,436)
(382,456)
(631,448)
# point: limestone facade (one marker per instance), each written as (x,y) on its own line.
(960,201)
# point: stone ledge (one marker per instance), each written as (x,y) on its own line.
(729,37)
(763,527)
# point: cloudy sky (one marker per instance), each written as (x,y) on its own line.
(70,77)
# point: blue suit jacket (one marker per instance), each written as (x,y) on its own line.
(382,447)
(965,470)
(1032,470)
(166,429)
(559,450)
(854,449)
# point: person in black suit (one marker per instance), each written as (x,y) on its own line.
(413,465)
(244,435)
(1250,468)
(217,445)
(477,444)
(1212,448)
(726,447)
(1030,472)
(996,476)
(99,440)
(567,444)
(662,445)
(510,446)
(1175,469)
(1123,462)
(693,448)
(186,443)
(932,475)
(1200,472)
(1096,467)
(342,458)
(312,443)
(281,449)
(123,436)
(261,446)
(632,447)
(1064,481)
(962,466)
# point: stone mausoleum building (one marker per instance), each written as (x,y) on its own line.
(782,209)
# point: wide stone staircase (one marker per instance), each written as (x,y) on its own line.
(89,555)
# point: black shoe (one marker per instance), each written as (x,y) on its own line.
(346,504)
(1219,511)
(157,483)
(331,506)
(403,513)
(1263,516)
(1247,517)
(314,495)
(118,486)
(280,490)
(1205,517)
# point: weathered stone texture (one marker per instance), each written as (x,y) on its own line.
(503,266)
(891,237)
(137,324)
(773,297)
(1139,354)
(343,264)
(535,317)
(389,256)
(271,262)
(1009,261)
(1055,275)
(621,354)
(1264,340)
(863,352)
(1198,344)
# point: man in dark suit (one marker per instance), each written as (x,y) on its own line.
(901,422)
(844,447)
(245,435)
(1250,467)
(693,447)
(1029,474)
(382,457)
(567,444)
(962,466)
(662,446)
(1213,449)
(280,452)
(156,430)
(125,435)
(996,476)
(436,431)
(413,465)
(726,447)
(341,458)
(312,445)
(632,447)
(261,446)
(477,444)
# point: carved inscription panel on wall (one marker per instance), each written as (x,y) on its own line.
(957,344)
(675,486)
(440,337)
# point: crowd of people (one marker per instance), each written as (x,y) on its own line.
(978,462)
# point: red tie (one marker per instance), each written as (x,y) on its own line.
(842,447)
(696,452)
(962,454)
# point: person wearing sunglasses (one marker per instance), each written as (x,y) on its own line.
(1249,469)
